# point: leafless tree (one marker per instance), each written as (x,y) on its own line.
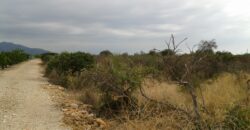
(248,85)
(186,79)
(172,45)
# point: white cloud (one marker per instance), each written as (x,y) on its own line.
(236,8)
(165,27)
(56,27)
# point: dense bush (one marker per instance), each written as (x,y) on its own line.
(167,52)
(4,60)
(70,62)
(11,58)
(106,53)
(118,77)
(47,56)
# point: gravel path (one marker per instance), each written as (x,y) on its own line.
(24,104)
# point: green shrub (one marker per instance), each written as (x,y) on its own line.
(225,57)
(70,62)
(116,78)
(80,60)
(105,53)
(117,81)
(47,57)
(238,119)
(152,65)
(4,60)
(167,52)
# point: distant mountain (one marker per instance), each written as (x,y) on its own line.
(8,46)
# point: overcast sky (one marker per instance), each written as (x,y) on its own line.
(124,25)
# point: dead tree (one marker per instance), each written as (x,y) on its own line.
(172,45)
(186,83)
(190,69)
(248,85)
(185,80)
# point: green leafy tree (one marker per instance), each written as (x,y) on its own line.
(13,57)
(106,53)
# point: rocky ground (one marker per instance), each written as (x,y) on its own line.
(76,114)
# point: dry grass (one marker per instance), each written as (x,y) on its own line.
(163,92)
(157,117)
(220,95)
(224,93)
(168,122)
(90,96)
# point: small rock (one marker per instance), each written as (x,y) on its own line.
(73,105)
(87,106)
(90,115)
(60,88)
(67,113)
(74,114)
(84,112)
(88,127)
(101,123)
(64,109)
(66,104)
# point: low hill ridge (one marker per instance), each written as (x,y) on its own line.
(9,46)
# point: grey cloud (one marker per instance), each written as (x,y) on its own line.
(120,25)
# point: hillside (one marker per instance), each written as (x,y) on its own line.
(8,46)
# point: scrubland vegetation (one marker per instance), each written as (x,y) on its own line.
(11,58)
(165,89)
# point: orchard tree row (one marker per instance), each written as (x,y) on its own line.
(11,58)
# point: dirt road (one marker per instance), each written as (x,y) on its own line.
(24,104)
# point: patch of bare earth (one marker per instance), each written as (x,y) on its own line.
(24,105)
